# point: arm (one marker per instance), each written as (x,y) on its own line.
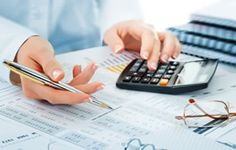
(12,36)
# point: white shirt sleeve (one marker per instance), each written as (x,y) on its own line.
(114,11)
(12,36)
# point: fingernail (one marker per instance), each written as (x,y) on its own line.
(165,58)
(153,65)
(88,100)
(94,66)
(118,48)
(174,56)
(145,55)
(56,73)
(100,87)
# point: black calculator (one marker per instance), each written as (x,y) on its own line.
(173,77)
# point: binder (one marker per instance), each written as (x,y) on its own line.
(206,29)
(210,42)
(211,32)
(208,53)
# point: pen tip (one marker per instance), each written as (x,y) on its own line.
(106,106)
(110,107)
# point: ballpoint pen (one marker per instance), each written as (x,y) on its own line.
(42,79)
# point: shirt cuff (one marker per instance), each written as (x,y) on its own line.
(10,51)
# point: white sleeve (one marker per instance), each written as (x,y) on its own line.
(114,11)
(12,36)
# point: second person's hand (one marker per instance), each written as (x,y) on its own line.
(141,37)
(38,54)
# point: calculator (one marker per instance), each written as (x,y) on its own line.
(173,77)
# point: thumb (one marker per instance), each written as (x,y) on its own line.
(53,69)
(50,65)
(113,40)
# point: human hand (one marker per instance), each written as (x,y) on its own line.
(138,36)
(38,54)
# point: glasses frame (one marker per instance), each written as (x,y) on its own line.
(226,117)
(141,145)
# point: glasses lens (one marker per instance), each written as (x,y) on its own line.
(148,147)
(205,114)
(134,144)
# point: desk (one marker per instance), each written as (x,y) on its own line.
(229,68)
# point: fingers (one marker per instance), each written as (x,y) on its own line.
(53,69)
(76,70)
(53,96)
(154,57)
(178,49)
(114,41)
(150,48)
(136,35)
(171,47)
(91,87)
(85,75)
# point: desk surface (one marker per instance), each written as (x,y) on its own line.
(228,68)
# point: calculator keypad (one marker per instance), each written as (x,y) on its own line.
(139,73)
(171,77)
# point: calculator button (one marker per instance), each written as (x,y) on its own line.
(151,71)
(148,75)
(127,78)
(139,60)
(166,76)
(136,74)
(137,64)
(134,68)
(163,82)
(161,71)
(164,66)
(145,80)
(172,67)
(144,65)
(154,81)
(158,75)
(136,79)
(170,72)
(174,63)
(142,69)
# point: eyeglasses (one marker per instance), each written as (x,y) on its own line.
(136,144)
(206,114)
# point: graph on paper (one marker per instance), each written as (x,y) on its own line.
(117,62)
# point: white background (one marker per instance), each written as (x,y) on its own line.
(166,13)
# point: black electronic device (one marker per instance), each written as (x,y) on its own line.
(173,77)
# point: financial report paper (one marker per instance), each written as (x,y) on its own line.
(28,124)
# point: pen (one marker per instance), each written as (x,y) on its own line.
(42,79)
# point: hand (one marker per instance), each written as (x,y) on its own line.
(38,54)
(138,36)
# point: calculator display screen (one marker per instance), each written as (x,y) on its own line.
(193,73)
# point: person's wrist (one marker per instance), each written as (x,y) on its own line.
(15,78)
